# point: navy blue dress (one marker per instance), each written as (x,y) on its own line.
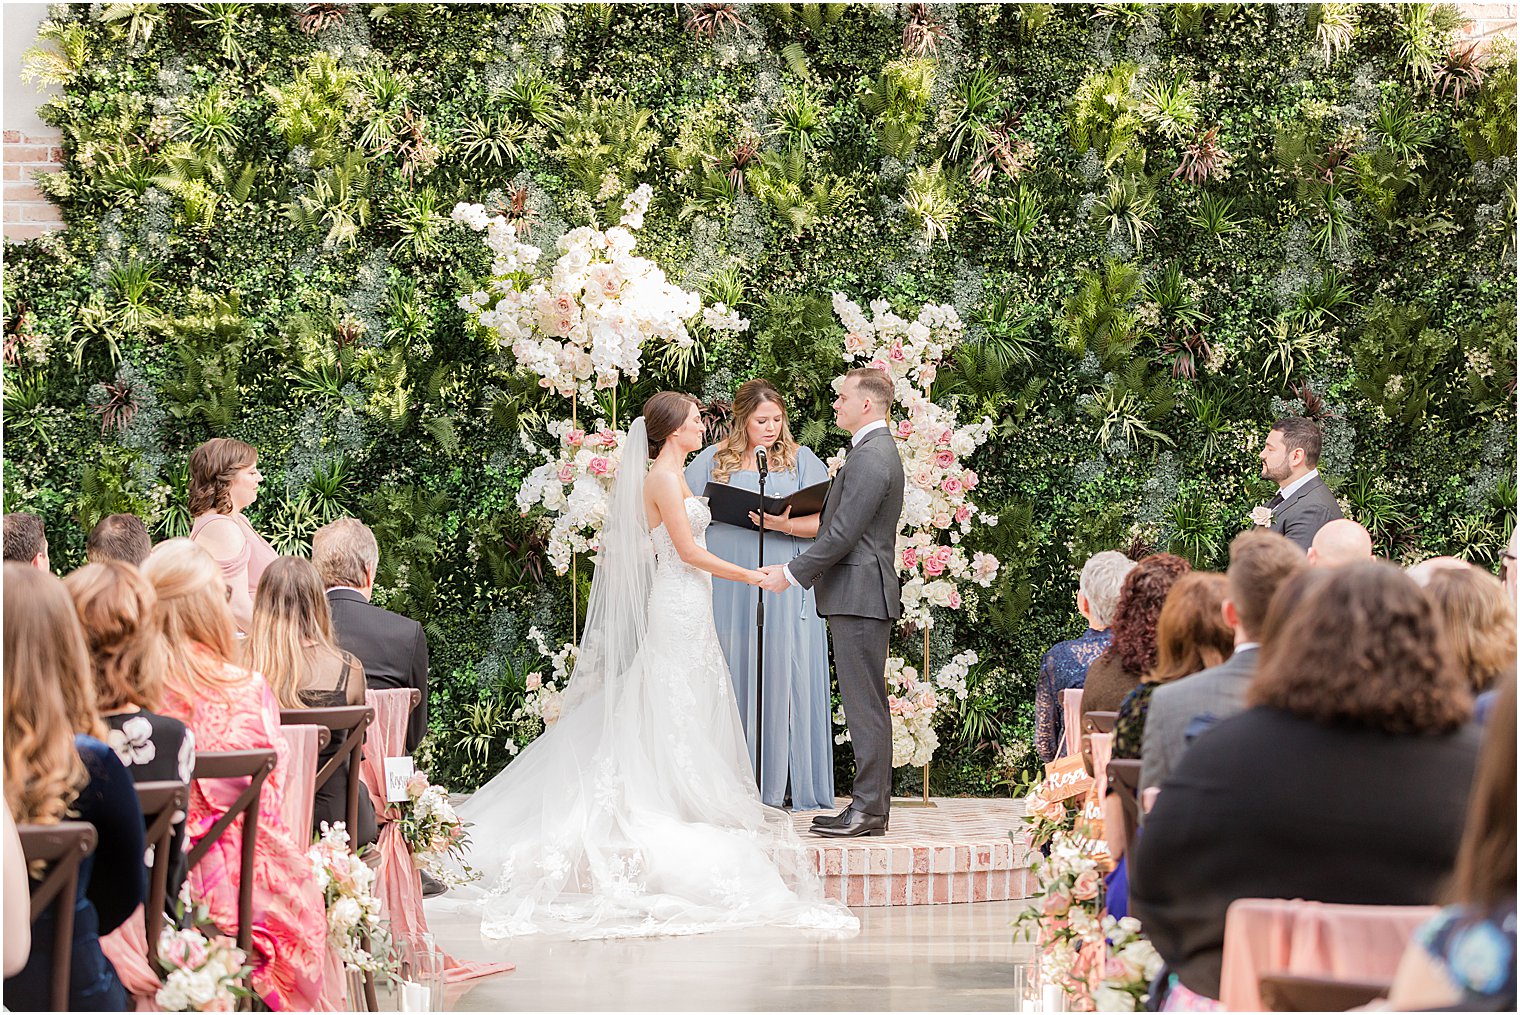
(112,883)
(1062,667)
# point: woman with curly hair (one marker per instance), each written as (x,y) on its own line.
(1345,780)
(224,481)
(54,774)
(1132,653)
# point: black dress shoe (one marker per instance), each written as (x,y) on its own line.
(431,886)
(832,820)
(856,823)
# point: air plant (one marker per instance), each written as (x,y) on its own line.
(119,407)
(1314,404)
(717,418)
(923,33)
(1184,350)
(418,153)
(744,152)
(316,18)
(347,331)
(1462,71)
(1204,159)
(1003,151)
(708,21)
(514,208)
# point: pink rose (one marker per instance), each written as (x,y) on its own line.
(895,351)
(187,951)
(575,438)
(1086,886)
(854,342)
(564,305)
(608,437)
(969,478)
(905,428)
(562,325)
(878,364)
(943,554)
(598,466)
(535,681)
(955,600)
(928,374)
(1057,903)
(953,487)
(567,473)
(944,458)
(933,566)
(941,520)
(944,438)
(962,514)
(418,783)
(910,557)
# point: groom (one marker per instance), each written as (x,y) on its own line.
(852,568)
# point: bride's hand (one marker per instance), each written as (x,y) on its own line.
(754,578)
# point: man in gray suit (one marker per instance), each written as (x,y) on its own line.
(852,569)
(1260,561)
(1290,458)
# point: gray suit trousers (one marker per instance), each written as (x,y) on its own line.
(860,659)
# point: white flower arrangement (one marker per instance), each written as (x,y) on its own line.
(934,445)
(574,486)
(348,891)
(582,326)
(1068,912)
(434,835)
(1131,965)
(202,972)
(912,703)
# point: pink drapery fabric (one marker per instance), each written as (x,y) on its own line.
(1321,939)
(398,883)
(300,779)
(126,948)
(1102,750)
(1071,715)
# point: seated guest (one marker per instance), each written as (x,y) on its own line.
(1475,612)
(53,775)
(1340,542)
(1132,653)
(118,537)
(1191,635)
(116,608)
(229,708)
(1303,503)
(1064,664)
(1464,959)
(291,646)
(1422,572)
(1260,561)
(393,648)
(1345,780)
(224,480)
(17,932)
(25,541)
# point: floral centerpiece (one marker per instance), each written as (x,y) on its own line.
(354,927)
(433,833)
(1131,966)
(573,486)
(201,971)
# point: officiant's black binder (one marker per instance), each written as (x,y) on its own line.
(732,504)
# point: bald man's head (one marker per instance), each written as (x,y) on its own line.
(1339,543)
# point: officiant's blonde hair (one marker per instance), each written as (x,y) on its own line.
(747,401)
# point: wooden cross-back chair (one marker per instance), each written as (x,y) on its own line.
(62,847)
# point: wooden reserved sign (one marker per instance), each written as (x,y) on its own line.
(1067,777)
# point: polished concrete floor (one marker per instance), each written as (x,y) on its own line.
(906,958)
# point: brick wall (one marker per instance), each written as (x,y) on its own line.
(1489,20)
(27,213)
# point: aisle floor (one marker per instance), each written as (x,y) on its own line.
(906,958)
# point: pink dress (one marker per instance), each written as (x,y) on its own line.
(289,917)
(255,555)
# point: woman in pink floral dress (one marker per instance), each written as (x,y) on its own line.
(231,709)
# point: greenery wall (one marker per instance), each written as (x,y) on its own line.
(1164,226)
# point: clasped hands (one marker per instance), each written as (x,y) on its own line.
(773,578)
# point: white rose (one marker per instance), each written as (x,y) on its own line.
(1261,516)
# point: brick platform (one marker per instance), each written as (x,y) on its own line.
(956,851)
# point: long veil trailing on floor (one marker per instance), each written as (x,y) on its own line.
(636,814)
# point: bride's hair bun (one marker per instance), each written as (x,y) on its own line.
(663,415)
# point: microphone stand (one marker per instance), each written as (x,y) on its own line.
(762,469)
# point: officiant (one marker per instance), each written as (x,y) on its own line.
(797,755)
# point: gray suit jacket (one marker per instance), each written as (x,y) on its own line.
(852,566)
(1219,691)
(1302,515)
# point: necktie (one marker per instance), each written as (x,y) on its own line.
(1276,500)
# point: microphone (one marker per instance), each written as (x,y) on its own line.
(762,466)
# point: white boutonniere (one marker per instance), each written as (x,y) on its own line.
(1261,516)
(834,462)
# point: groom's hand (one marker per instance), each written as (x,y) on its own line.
(775,579)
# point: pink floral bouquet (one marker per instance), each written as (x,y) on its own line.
(202,969)
(433,833)
(355,932)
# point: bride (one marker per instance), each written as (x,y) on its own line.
(637,814)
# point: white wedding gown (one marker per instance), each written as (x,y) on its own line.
(636,814)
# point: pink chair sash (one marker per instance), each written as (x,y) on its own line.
(1319,939)
(1102,750)
(398,883)
(1071,714)
(126,948)
(300,780)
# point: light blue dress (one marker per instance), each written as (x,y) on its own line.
(798,734)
